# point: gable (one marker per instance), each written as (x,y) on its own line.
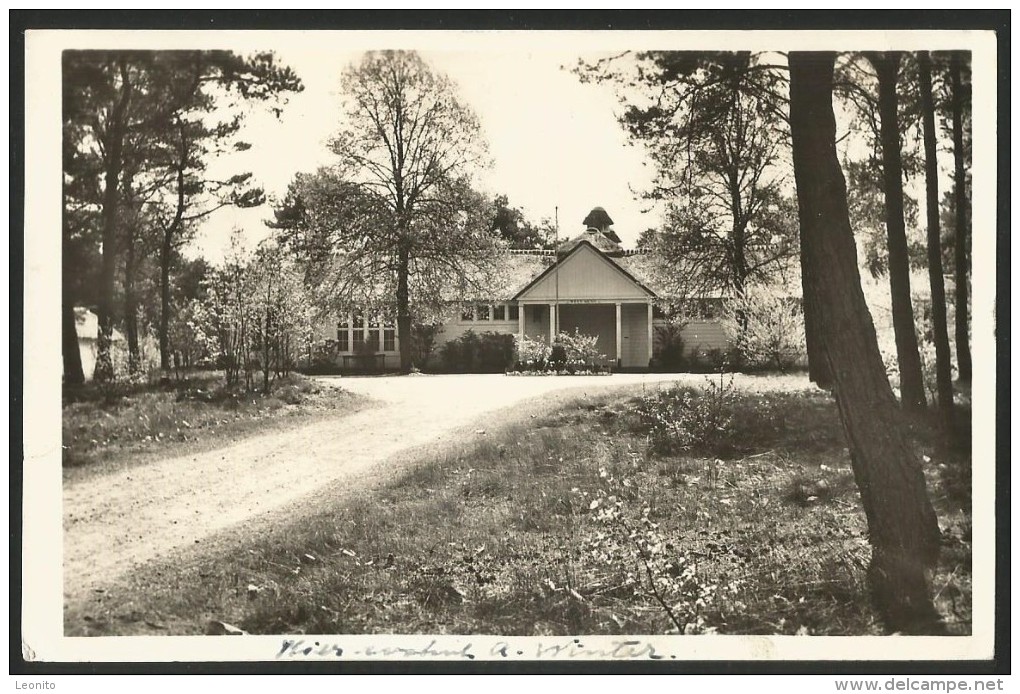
(584,274)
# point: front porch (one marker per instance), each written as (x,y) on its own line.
(623,328)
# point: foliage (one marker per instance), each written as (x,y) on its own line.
(766,328)
(670,349)
(259,314)
(684,420)
(472,352)
(579,349)
(531,353)
(516,230)
(423,342)
(396,219)
(140,129)
(713,124)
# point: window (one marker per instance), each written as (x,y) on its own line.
(514,312)
(343,336)
(389,336)
(499,312)
(482,312)
(467,313)
(359,333)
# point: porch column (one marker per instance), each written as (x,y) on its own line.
(619,334)
(520,319)
(552,323)
(651,336)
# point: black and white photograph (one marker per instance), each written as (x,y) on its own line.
(471,346)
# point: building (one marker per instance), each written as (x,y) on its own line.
(589,284)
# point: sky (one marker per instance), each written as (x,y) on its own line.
(553,141)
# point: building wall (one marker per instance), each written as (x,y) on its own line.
(701,335)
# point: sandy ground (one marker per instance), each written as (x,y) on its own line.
(117,521)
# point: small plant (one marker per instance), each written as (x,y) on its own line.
(670,347)
(531,354)
(684,420)
(473,352)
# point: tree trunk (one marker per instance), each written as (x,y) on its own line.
(911,381)
(404,308)
(940,331)
(962,259)
(902,525)
(165,254)
(114,162)
(74,375)
(131,309)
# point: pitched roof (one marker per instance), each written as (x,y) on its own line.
(563,257)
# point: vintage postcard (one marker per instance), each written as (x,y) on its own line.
(513,346)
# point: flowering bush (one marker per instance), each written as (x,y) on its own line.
(580,349)
(681,419)
(766,328)
(531,354)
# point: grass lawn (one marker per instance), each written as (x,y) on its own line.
(586,519)
(106,427)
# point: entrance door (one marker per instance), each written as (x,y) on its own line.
(592,319)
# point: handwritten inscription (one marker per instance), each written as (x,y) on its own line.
(631,649)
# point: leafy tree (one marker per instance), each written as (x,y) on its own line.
(396,219)
(143,123)
(712,124)
(514,228)
(903,528)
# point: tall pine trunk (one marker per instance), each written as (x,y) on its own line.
(114,162)
(131,308)
(940,331)
(165,256)
(907,356)
(818,365)
(902,525)
(958,102)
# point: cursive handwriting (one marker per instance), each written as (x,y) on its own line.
(630,649)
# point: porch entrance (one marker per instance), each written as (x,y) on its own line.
(592,319)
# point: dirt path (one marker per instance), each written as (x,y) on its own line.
(115,522)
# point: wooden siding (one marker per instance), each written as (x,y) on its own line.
(702,335)
(584,276)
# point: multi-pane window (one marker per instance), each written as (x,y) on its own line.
(389,336)
(373,334)
(343,336)
(359,332)
(467,313)
(482,312)
(499,312)
(514,311)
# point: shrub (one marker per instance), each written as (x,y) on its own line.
(766,329)
(681,419)
(423,343)
(579,350)
(473,352)
(670,347)
(324,358)
(531,354)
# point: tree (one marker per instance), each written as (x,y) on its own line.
(940,332)
(959,104)
(514,228)
(887,66)
(714,123)
(398,211)
(713,128)
(127,114)
(903,528)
